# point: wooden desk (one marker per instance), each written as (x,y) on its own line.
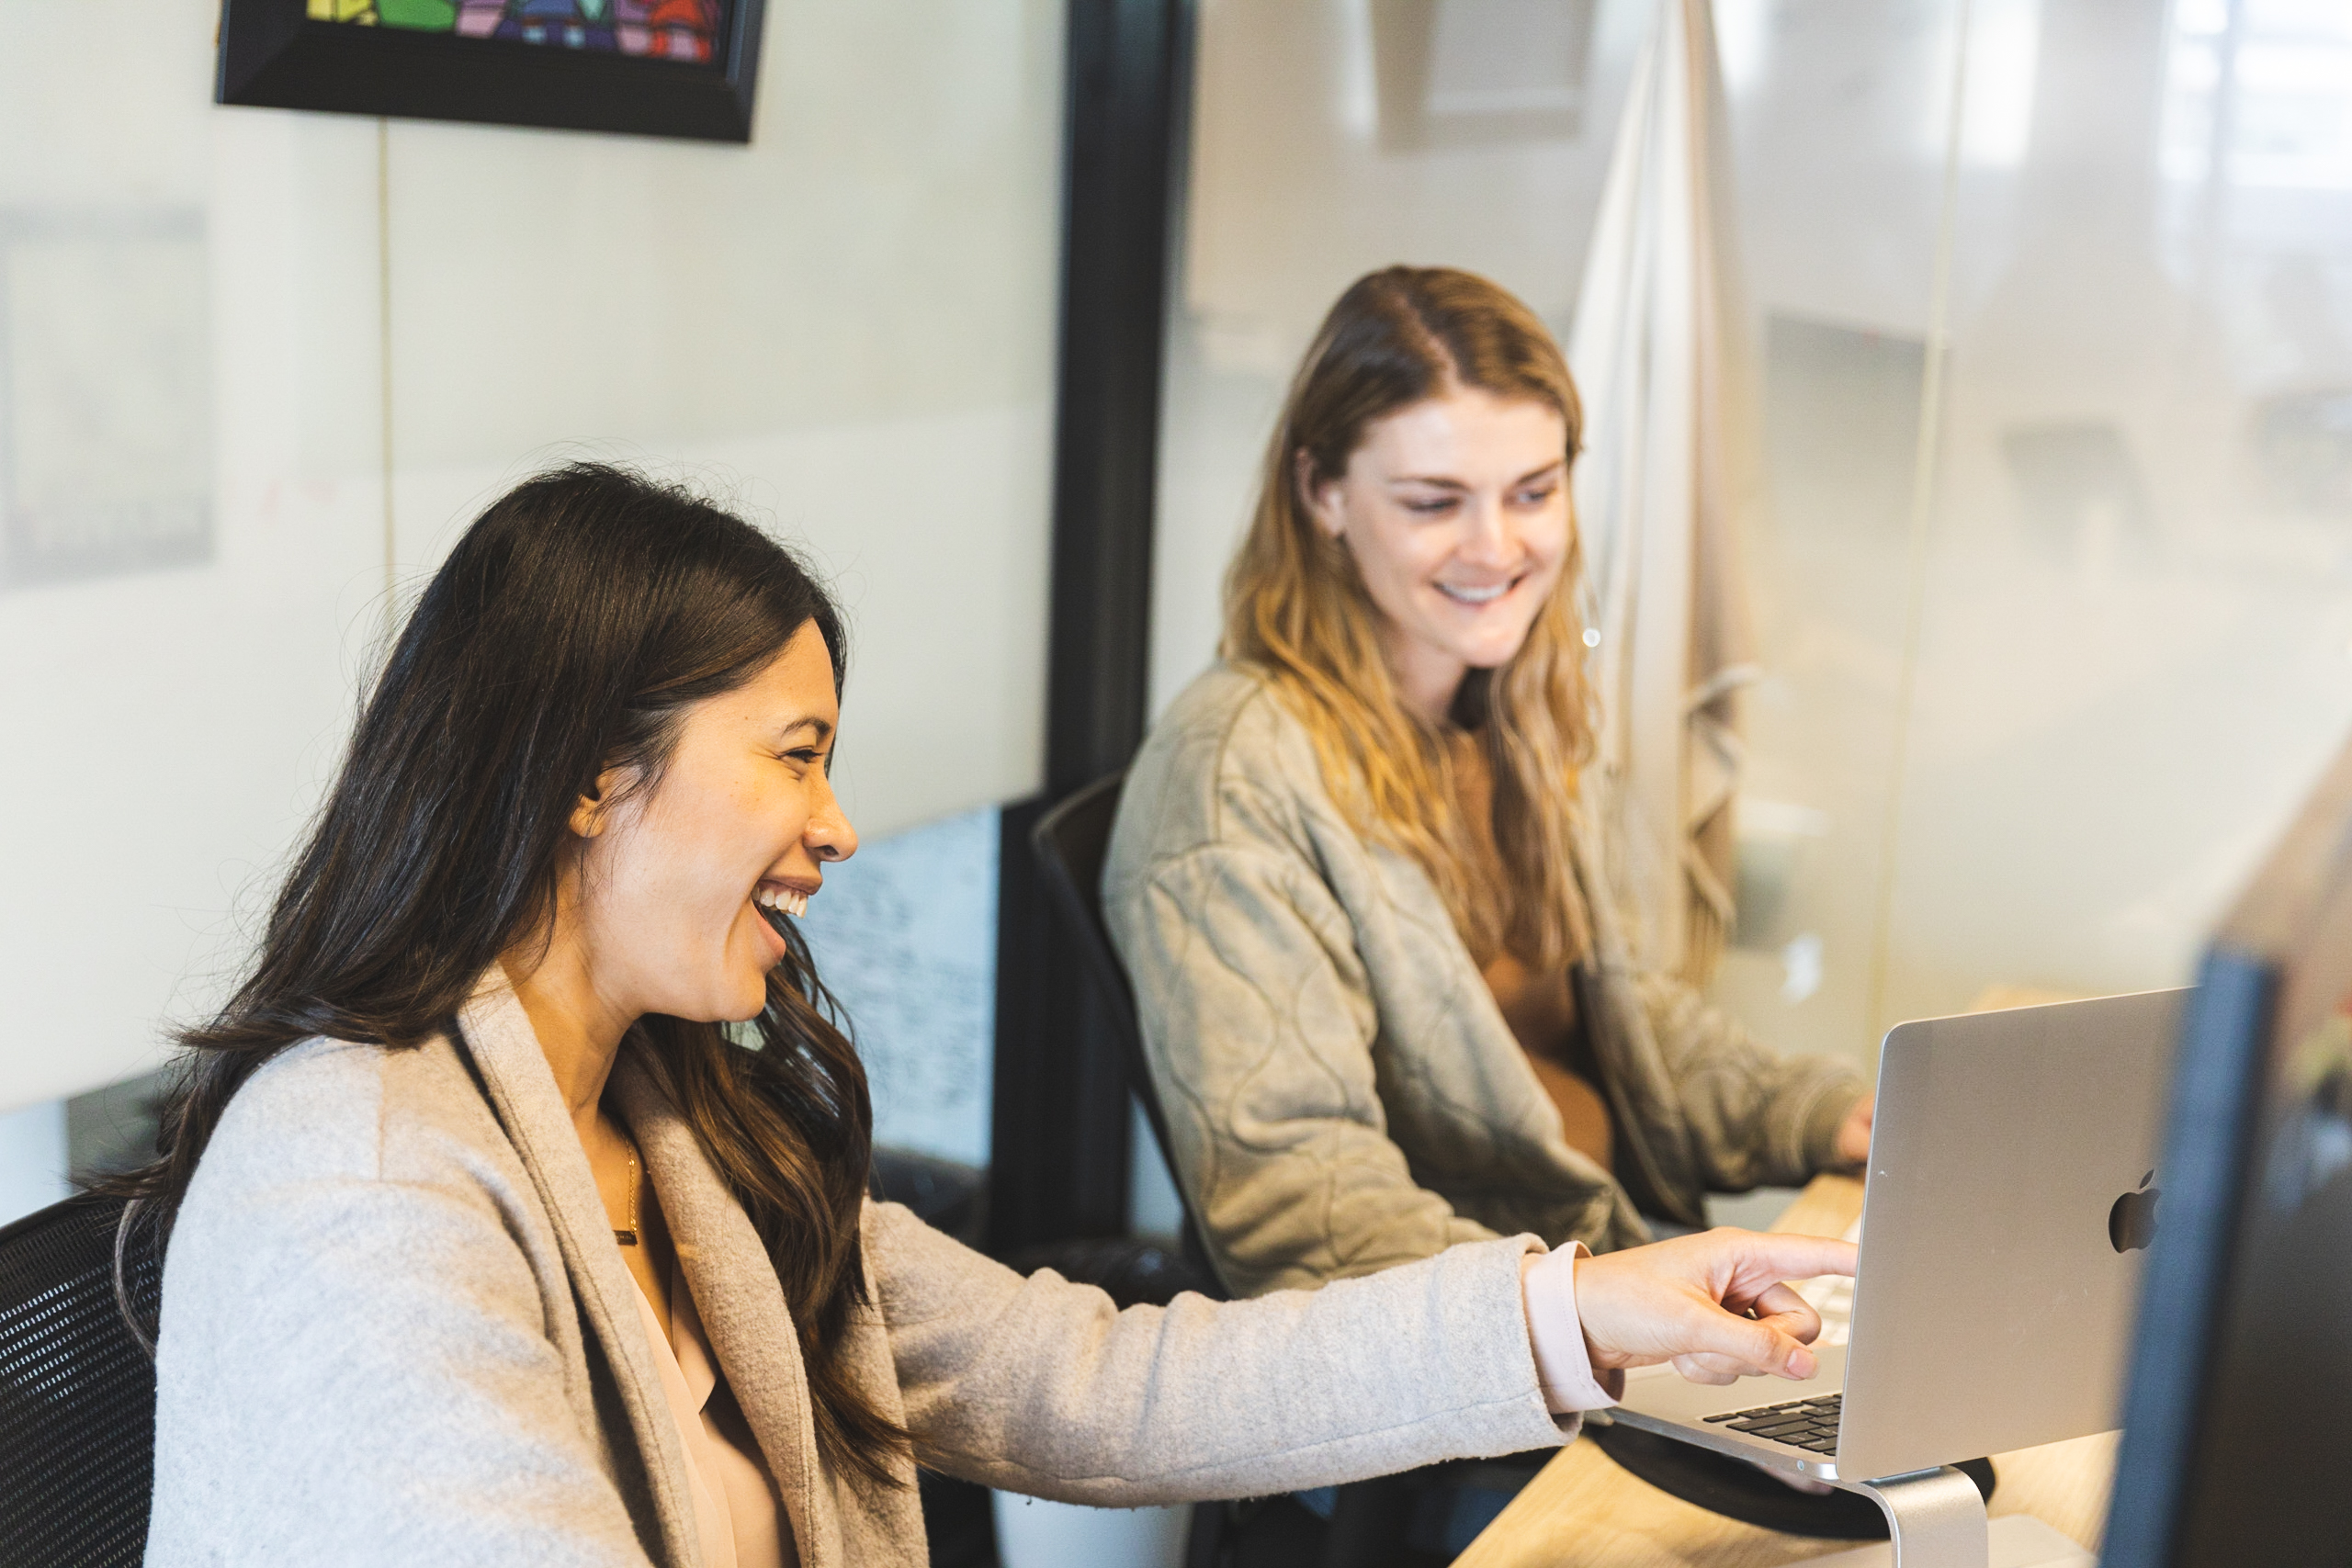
(1582,1510)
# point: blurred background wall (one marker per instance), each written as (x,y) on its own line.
(257,368)
(2052,300)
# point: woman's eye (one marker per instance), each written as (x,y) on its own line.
(1438,507)
(1537,496)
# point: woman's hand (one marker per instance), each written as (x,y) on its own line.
(1853,1146)
(1716,1304)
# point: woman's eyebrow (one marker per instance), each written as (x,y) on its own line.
(823,727)
(1442,481)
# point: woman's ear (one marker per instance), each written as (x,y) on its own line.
(1322,498)
(589,812)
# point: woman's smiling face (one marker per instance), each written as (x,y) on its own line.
(1456,511)
(672,881)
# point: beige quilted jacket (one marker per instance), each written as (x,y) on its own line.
(1340,1090)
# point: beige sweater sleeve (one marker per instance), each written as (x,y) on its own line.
(1755,1117)
(1260,1024)
(1041,1386)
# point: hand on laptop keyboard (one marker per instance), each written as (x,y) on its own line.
(1716,1304)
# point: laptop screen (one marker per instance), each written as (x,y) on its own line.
(2238,1425)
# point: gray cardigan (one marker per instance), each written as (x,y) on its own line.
(1342,1093)
(396,1331)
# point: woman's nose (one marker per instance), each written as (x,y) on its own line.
(828,834)
(1487,537)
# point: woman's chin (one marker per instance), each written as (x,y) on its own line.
(750,998)
(728,1004)
(1495,642)
(736,1008)
(1492,653)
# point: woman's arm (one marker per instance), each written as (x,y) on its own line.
(1259,1023)
(1038,1386)
(1755,1117)
(1041,1386)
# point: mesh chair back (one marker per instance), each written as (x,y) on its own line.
(1073,842)
(77,1391)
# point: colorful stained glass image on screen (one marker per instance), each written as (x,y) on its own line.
(664,29)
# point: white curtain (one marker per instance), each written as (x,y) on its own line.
(1660,355)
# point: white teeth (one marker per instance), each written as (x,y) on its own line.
(1474,595)
(783,900)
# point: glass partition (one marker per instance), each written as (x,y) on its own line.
(2053,588)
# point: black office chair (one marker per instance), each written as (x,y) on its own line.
(1073,842)
(1371,1525)
(77,1391)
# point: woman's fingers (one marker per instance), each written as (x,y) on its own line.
(1705,1369)
(1781,1307)
(1705,1365)
(1688,1300)
(1751,1348)
(1759,1261)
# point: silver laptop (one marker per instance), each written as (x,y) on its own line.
(2011,1196)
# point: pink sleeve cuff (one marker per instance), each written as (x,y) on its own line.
(1563,1364)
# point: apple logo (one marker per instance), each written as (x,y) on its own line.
(2131,1223)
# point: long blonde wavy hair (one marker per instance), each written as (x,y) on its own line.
(1296,611)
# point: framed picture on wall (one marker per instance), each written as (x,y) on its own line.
(648,67)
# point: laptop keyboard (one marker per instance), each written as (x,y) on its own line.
(1810,1424)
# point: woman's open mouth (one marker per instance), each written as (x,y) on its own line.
(783,900)
(1479,595)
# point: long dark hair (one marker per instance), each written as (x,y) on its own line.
(565,635)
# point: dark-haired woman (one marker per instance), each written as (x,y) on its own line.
(488,1245)
(1387,999)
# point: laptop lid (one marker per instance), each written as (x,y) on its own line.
(2011,1198)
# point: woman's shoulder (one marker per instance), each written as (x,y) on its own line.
(347,1111)
(1229,739)
(1233,729)
(1225,705)
(332,1160)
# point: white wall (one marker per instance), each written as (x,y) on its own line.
(2042,750)
(32,1158)
(847,327)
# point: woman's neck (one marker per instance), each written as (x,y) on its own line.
(580,1028)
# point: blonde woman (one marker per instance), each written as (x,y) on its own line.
(1387,1001)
